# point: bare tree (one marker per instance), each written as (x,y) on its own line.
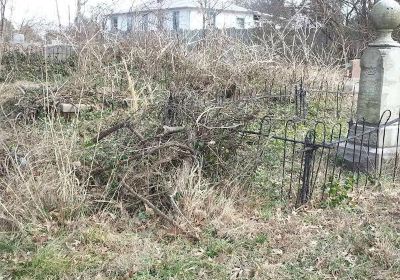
(31,27)
(58,15)
(273,7)
(80,4)
(210,9)
(3,6)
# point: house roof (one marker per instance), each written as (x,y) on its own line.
(150,5)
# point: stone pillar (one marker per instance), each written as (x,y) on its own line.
(355,70)
(379,89)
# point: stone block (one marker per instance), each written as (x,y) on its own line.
(384,137)
(379,84)
(351,86)
(59,52)
(378,91)
(69,108)
(355,69)
(364,157)
(18,38)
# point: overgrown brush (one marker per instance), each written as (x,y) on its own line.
(156,125)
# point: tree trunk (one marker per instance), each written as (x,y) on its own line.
(3,4)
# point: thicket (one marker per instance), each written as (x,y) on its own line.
(166,129)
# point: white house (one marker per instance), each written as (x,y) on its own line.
(175,15)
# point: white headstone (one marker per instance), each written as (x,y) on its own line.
(18,38)
(379,87)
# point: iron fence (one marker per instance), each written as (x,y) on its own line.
(328,162)
(322,161)
(314,103)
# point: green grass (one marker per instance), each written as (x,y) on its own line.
(47,263)
(183,267)
(331,244)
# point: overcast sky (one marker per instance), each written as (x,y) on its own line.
(20,10)
(23,10)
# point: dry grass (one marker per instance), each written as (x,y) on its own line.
(349,243)
(39,181)
(65,221)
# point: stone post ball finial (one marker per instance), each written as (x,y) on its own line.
(386,15)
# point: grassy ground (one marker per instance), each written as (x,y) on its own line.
(361,241)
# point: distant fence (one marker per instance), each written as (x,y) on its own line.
(315,37)
(33,62)
(59,52)
(191,37)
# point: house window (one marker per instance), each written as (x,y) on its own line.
(175,20)
(211,19)
(114,23)
(145,22)
(129,24)
(240,23)
(160,24)
(257,20)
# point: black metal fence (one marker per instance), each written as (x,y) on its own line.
(328,162)
(320,102)
(334,100)
(326,151)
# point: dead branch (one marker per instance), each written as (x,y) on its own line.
(167,131)
(152,150)
(198,123)
(192,236)
(147,152)
(115,128)
(134,131)
(171,130)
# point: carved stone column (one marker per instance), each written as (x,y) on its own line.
(379,90)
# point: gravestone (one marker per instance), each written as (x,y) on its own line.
(70,108)
(355,69)
(58,51)
(379,90)
(353,74)
(18,39)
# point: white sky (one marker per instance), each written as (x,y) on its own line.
(20,10)
(23,10)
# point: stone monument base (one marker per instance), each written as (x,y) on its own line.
(371,150)
(383,137)
(365,158)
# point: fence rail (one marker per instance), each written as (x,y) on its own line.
(321,161)
(332,160)
(59,52)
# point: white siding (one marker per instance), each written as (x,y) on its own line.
(184,19)
(230,20)
(145,21)
(189,19)
(224,19)
(196,19)
(122,22)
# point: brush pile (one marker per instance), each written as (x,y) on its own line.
(166,123)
